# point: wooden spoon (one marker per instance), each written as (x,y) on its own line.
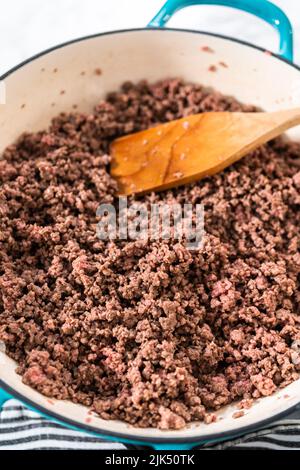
(192,148)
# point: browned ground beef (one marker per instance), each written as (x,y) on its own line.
(148,332)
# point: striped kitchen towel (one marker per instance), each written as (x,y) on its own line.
(22,429)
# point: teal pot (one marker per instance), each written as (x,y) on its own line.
(252,75)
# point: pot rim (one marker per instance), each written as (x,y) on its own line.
(121,436)
(129,438)
(148,28)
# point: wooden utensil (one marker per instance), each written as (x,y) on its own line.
(192,148)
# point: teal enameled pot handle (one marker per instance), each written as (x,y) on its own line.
(264,9)
(3,397)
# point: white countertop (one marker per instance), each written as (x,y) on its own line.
(30,26)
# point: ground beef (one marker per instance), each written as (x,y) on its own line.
(147,331)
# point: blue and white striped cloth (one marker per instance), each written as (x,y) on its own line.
(22,429)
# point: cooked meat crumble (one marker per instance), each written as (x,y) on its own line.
(148,332)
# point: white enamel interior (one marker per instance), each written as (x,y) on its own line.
(251,76)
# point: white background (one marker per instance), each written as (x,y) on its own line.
(29,26)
